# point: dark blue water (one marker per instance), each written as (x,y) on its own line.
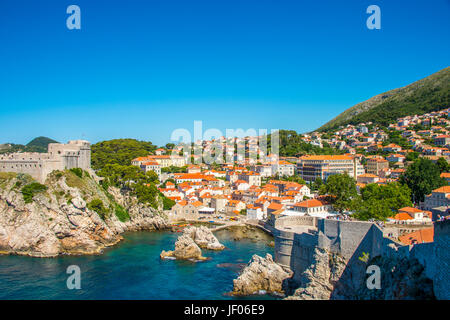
(130,270)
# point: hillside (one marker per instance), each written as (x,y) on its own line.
(38,144)
(119,151)
(429,94)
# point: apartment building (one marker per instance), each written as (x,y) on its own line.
(376,165)
(322,166)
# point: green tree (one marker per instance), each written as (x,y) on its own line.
(317,184)
(422,176)
(342,189)
(443,165)
(381,201)
(119,151)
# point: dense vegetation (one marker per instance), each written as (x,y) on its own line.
(429,94)
(292,145)
(341,189)
(119,151)
(381,201)
(423,176)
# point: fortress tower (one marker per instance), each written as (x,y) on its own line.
(74,154)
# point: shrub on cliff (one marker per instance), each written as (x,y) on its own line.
(121,213)
(97,206)
(31,189)
(78,172)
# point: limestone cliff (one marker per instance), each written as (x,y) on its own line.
(260,275)
(61,218)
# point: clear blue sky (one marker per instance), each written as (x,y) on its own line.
(141,69)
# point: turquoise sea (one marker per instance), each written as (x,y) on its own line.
(131,270)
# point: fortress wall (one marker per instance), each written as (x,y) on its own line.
(293,221)
(351,239)
(347,238)
(75,154)
(31,167)
(441,254)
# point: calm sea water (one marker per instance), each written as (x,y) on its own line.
(130,270)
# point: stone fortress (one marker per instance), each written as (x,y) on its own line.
(74,154)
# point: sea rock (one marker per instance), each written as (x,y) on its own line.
(185,249)
(261,274)
(203,237)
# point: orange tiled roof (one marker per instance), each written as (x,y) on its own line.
(444,189)
(311,203)
(419,236)
(275,206)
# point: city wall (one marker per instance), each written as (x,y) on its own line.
(296,239)
(75,154)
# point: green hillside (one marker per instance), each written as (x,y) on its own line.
(429,94)
(119,151)
(38,144)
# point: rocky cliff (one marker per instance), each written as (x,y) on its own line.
(70,214)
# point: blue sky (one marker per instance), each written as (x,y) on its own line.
(141,69)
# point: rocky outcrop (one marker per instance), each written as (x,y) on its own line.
(189,243)
(318,281)
(239,232)
(58,220)
(185,249)
(261,275)
(204,238)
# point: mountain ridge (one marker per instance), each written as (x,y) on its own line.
(431,93)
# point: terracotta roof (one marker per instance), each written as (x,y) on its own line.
(311,203)
(325,157)
(402,216)
(444,189)
(409,210)
(419,236)
(275,206)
